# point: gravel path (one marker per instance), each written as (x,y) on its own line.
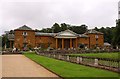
(21,66)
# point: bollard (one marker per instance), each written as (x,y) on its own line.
(49,55)
(59,57)
(37,52)
(67,58)
(96,62)
(54,55)
(78,59)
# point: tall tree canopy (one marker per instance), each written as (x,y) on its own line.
(79,29)
(116,38)
(63,26)
(5,41)
(0,41)
(108,33)
(56,28)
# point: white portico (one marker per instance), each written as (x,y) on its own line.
(66,39)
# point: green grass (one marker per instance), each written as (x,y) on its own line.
(67,69)
(100,55)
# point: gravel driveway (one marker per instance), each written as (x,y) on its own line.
(21,66)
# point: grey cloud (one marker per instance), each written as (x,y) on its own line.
(43,13)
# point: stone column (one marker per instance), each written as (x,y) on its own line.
(59,56)
(54,55)
(49,55)
(78,59)
(67,58)
(76,42)
(56,43)
(62,43)
(71,43)
(96,62)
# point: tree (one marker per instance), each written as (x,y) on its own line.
(0,43)
(78,29)
(108,33)
(5,41)
(116,38)
(43,30)
(11,32)
(64,27)
(96,29)
(56,28)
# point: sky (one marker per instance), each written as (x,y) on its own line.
(39,14)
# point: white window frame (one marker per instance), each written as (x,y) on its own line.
(25,33)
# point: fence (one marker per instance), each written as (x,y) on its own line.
(10,52)
(104,63)
(78,51)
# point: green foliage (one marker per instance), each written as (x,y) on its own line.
(5,41)
(79,29)
(116,39)
(62,27)
(111,35)
(67,69)
(56,28)
(108,33)
(0,41)
(47,30)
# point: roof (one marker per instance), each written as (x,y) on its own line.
(44,34)
(93,32)
(66,34)
(83,35)
(67,31)
(11,36)
(24,27)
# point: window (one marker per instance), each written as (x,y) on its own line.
(96,36)
(96,39)
(25,33)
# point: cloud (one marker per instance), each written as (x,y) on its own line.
(44,13)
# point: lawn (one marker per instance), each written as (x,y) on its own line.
(100,55)
(67,69)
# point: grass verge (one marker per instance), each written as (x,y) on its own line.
(67,69)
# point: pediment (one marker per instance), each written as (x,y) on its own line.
(66,33)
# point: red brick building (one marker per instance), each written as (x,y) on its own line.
(26,37)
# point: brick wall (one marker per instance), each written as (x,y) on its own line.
(45,41)
(84,40)
(30,39)
(93,40)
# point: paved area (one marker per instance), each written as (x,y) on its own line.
(21,66)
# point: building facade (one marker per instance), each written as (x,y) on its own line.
(26,37)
